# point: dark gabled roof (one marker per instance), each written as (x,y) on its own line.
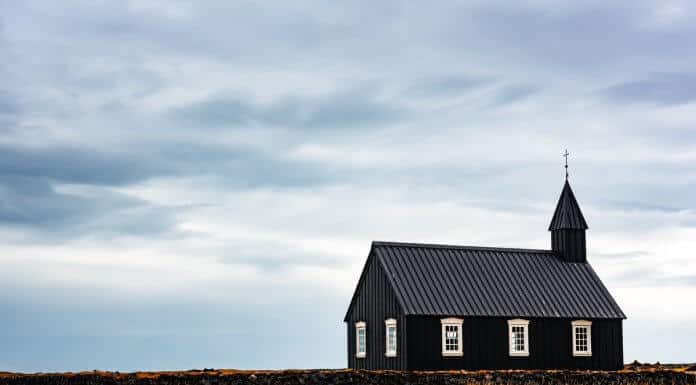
(567,214)
(497,282)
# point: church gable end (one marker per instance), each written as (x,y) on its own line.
(374,302)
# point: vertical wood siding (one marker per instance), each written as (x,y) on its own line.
(485,345)
(375,303)
(569,244)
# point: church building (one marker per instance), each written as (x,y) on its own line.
(439,307)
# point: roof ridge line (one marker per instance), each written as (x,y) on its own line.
(460,247)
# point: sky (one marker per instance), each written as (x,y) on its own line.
(196,184)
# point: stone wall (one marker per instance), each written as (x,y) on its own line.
(352,377)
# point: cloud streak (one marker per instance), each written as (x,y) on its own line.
(447,86)
(658,88)
(514,93)
(352,110)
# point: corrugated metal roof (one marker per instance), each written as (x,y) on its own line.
(480,281)
(567,214)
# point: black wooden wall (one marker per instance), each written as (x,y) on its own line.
(374,304)
(485,345)
(570,244)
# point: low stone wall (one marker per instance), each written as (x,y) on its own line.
(356,377)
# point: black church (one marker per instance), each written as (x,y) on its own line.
(436,307)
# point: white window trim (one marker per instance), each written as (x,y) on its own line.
(358,353)
(458,322)
(518,322)
(585,324)
(389,323)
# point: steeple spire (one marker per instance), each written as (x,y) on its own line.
(568,214)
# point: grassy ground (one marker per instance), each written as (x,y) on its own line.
(629,368)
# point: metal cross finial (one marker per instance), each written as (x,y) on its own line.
(565,154)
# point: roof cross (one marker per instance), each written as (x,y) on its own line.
(565,155)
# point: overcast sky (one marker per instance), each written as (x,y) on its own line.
(196,184)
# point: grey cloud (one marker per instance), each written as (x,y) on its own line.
(8,106)
(141,81)
(637,276)
(241,167)
(642,206)
(218,111)
(29,198)
(660,88)
(351,109)
(687,280)
(7,125)
(447,85)
(277,260)
(565,39)
(237,167)
(650,276)
(632,254)
(223,30)
(514,93)
(33,203)
(73,165)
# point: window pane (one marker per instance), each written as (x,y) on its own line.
(361,340)
(391,339)
(451,338)
(581,338)
(517,338)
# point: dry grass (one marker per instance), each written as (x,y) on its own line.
(630,368)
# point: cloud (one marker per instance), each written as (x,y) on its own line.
(644,272)
(8,105)
(34,204)
(659,88)
(446,86)
(633,254)
(687,280)
(643,206)
(82,165)
(9,109)
(70,164)
(278,261)
(66,192)
(353,109)
(8,113)
(514,93)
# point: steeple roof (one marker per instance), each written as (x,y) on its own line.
(568,214)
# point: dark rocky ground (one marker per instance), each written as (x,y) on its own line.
(633,374)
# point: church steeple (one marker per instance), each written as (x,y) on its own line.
(568,228)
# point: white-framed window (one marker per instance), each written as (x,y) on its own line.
(519,337)
(360,339)
(451,336)
(390,337)
(582,338)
